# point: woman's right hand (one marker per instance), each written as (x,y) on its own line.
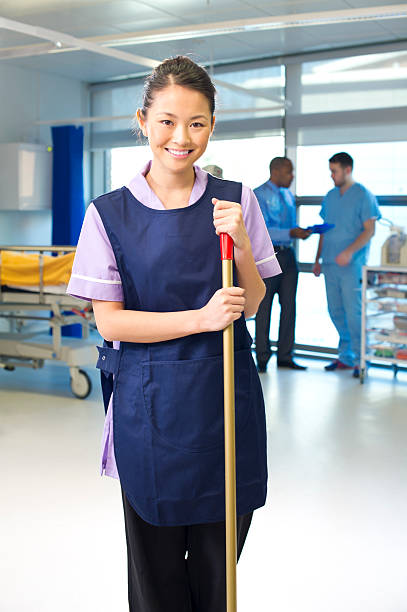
(224,307)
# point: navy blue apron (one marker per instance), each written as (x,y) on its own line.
(168,396)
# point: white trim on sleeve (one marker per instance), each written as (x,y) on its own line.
(262,261)
(97,280)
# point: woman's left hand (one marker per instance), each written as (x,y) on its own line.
(228,219)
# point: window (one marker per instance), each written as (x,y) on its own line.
(354,83)
(313,324)
(253,88)
(125,163)
(380,166)
(308,215)
(244,159)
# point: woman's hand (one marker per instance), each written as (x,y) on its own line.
(228,219)
(224,307)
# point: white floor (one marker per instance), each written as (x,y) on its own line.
(332,537)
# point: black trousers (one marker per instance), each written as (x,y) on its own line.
(285,285)
(177,569)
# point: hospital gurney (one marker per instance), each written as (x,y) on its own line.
(33,299)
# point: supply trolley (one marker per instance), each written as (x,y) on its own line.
(384,317)
(33,299)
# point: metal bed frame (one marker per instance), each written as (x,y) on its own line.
(18,307)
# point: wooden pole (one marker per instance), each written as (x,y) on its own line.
(230,437)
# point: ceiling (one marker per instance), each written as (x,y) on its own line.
(178,26)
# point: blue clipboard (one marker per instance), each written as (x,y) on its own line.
(321,228)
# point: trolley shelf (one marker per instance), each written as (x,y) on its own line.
(380,278)
(393,360)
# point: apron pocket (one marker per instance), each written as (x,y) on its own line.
(108,360)
(184,399)
(108,364)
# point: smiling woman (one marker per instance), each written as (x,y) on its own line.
(177,117)
(154,280)
(178,128)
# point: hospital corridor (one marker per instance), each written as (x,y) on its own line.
(203,306)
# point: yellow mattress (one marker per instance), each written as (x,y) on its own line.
(23,269)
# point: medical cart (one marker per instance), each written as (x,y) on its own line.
(384,317)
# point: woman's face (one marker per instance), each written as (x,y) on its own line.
(178,126)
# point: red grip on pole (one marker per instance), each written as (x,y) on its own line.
(226,246)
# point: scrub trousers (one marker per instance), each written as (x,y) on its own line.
(344,295)
(177,569)
(285,285)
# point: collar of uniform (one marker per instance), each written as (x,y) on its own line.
(281,191)
(273,186)
(142,191)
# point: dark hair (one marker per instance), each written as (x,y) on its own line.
(343,159)
(180,70)
(278,162)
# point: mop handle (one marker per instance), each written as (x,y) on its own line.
(226,247)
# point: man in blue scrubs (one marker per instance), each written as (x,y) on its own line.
(344,250)
(277,204)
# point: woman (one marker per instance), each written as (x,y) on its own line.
(148,258)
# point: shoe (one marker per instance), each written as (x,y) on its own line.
(337,365)
(291,365)
(261,368)
(356,372)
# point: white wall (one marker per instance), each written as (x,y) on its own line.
(28,96)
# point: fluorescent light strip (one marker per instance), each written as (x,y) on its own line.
(222,28)
(59,39)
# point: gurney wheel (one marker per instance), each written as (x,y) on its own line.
(81,384)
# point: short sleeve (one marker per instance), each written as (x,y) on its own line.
(369,207)
(94,272)
(262,247)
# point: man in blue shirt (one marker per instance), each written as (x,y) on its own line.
(344,250)
(277,204)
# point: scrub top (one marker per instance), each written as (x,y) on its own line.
(279,211)
(348,212)
(95,274)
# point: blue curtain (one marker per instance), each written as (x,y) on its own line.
(68,205)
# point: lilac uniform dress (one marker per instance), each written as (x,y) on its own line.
(95,274)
